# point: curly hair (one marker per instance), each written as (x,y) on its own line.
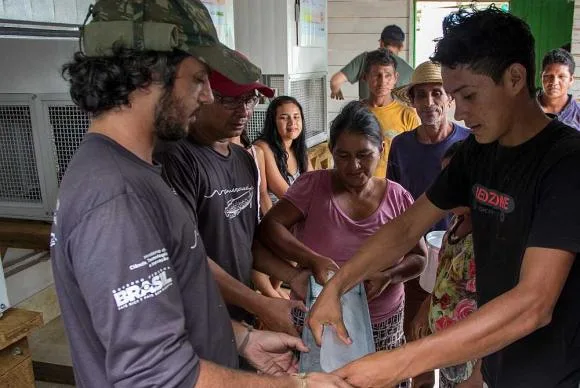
(98,84)
(561,57)
(381,57)
(355,117)
(271,136)
(488,42)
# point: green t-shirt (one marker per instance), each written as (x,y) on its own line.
(355,68)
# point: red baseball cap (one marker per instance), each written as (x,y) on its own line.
(229,88)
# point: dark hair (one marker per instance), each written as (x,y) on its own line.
(98,84)
(392,35)
(561,57)
(567,47)
(452,150)
(271,136)
(381,57)
(355,117)
(488,42)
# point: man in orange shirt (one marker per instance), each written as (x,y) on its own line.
(381,76)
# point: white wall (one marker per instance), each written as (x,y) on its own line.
(50,11)
(33,65)
(355,26)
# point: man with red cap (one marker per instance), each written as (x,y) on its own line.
(218,182)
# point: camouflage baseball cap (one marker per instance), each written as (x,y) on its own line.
(164,25)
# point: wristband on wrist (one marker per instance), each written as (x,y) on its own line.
(246,339)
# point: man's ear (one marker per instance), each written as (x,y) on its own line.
(514,78)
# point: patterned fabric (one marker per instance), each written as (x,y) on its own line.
(389,333)
(454,297)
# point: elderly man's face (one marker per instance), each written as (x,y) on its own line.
(431,103)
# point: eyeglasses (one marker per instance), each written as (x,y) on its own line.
(232,103)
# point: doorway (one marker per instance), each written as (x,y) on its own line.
(429,15)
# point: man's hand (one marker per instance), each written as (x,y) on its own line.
(321,267)
(420,324)
(327,311)
(276,314)
(336,95)
(381,369)
(272,353)
(376,284)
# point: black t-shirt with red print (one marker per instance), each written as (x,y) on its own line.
(520,197)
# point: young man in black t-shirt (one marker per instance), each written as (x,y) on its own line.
(518,172)
(218,182)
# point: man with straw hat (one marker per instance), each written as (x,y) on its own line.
(415,156)
(139,302)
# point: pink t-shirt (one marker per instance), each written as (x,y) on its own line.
(326,229)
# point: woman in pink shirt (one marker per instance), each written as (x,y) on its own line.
(335,211)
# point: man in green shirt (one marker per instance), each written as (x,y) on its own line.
(392,38)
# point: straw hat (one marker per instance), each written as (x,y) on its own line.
(426,73)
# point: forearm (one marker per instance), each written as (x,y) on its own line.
(497,324)
(391,242)
(409,268)
(265,261)
(214,376)
(265,202)
(336,81)
(371,257)
(280,240)
(235,292)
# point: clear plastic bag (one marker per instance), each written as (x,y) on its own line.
(334,353)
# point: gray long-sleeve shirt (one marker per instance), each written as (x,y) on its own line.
(139,303)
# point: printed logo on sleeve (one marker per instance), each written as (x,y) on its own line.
(139,290)
(53,240)
(152,259)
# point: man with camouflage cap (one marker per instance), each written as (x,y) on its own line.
(139,303)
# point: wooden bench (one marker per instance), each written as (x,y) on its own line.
(15,360)
(320,156)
